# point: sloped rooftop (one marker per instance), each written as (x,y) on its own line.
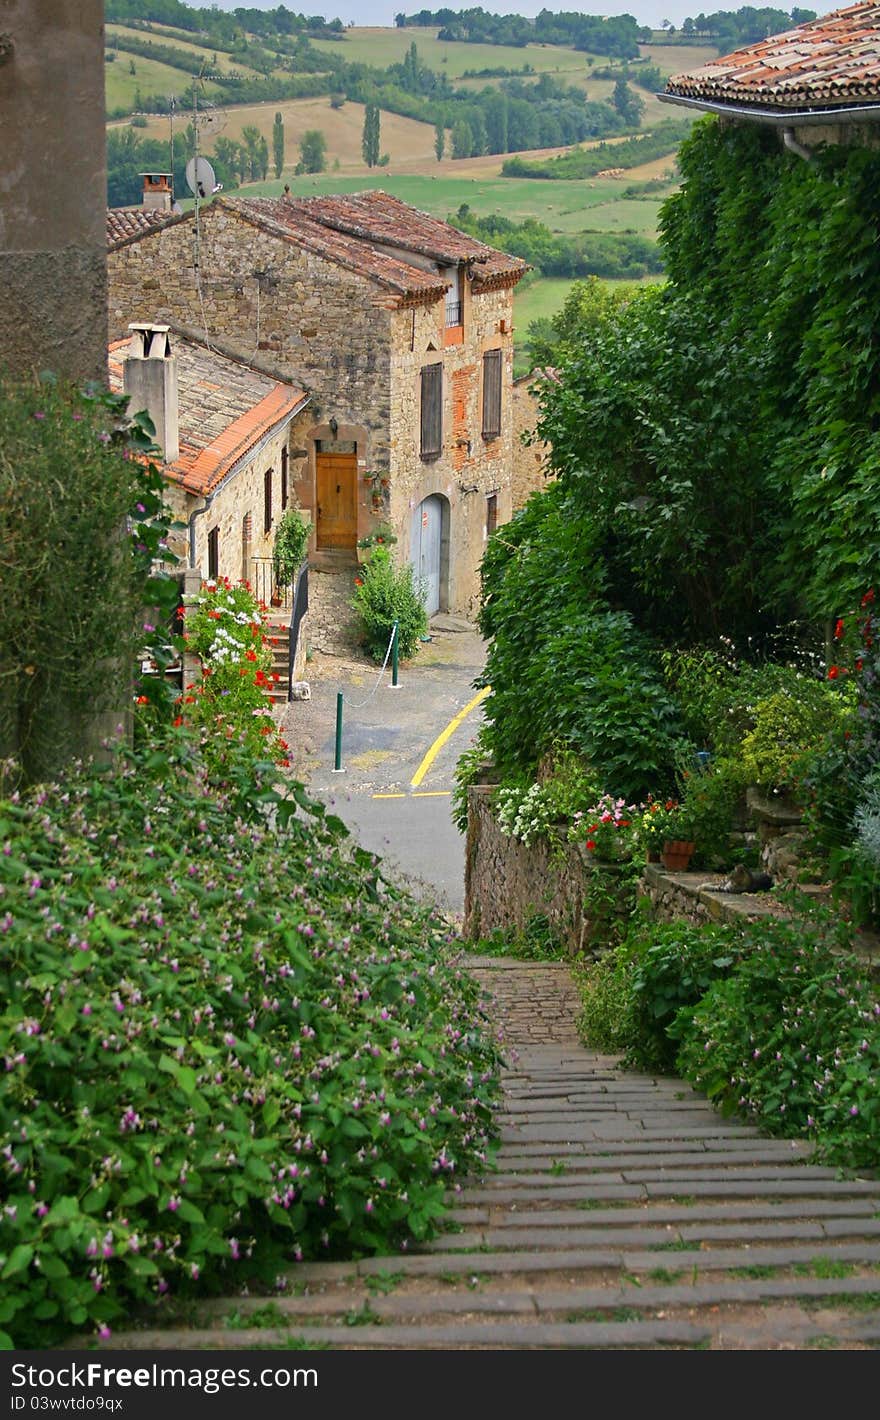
(125,224)
(829,62)
(225,409)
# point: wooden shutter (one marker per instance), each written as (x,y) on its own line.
(267,500)
(283,479)
(491,394)
(431,442)
(491,513)
(213,554)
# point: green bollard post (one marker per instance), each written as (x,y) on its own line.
(394,659)
(337,766)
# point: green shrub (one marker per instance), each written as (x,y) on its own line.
(789,726)
(386,593)
(225,1046)
(607,1020)
(674,964)
(75,586)
(289,546)
(791,1038)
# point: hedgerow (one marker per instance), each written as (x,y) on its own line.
(227,1044)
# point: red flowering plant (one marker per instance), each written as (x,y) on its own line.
(231,704)
(607,829)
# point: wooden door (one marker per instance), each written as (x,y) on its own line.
(336,479)
(426,549)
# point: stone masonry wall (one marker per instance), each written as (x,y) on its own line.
(529,460)
(507,883)
(326,328)
(469,467)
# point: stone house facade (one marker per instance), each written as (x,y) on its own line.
(399,327)
(225,428)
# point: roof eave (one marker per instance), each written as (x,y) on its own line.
(779,117)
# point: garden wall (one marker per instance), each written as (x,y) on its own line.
(508,883)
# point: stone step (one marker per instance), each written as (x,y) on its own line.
(494,1335)
(646,1173)
(527,1215)
(641,1233)
(573,1189)
(762,1148)
(507,1164)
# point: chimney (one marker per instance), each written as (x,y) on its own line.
(158,196)
(149,378)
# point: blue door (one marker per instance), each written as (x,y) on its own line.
(425,549)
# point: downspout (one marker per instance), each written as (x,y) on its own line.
(198,513)
(794,146)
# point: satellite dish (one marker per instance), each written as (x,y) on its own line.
(200,178)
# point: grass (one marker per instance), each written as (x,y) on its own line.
(268,1316)
(824,1268)
(618,1314)
(665,1274)
(381,1283)
(557,1168)
(362,1316)
(382,47)
(759,1271)
(680,1245)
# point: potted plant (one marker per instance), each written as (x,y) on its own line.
(666,831)
(381,536)
(288,549)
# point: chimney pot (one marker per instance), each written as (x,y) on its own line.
(149,377)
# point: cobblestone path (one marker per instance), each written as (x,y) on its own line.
(624,1212)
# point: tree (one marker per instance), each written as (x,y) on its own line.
(628,104)
(312,152)
(439,141)
(278,144)
(263,158)
(370,139)
(462,140)
(250,137)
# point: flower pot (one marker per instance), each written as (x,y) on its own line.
(676,854)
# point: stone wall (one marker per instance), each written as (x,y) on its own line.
(530,461)
(508,883)
(324,327)
(469,467)
(53,188)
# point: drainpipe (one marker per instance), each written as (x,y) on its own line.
(794,146)
(198,513)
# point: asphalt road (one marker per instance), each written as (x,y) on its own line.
(386,735)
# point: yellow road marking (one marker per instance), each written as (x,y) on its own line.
(431,794)
(388,796)
(445,735)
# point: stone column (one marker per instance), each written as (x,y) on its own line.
(53,198)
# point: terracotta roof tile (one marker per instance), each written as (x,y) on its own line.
(828,62)
(126,224)
(225,408)
(374,234)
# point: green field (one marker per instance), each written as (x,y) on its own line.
(150,77)
(572,206)
(200,53)
(381,47)
(542,297)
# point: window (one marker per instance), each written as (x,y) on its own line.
(214,554)
(491,513)
(454,304)
(491,394)
(283,478)
(267,500)
(431,433)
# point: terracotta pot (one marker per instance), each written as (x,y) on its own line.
(676,854)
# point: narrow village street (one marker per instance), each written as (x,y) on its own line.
(387,734)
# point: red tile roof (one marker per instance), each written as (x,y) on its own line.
(825,63)
(374,234)
(127,224)
(225,409)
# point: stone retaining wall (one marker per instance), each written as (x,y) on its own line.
(508,883)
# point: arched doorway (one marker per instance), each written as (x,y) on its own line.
(429,549)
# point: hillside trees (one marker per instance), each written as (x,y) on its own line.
(312,152)
(278,144)
(370,140)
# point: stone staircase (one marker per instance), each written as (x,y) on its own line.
(278,630)
(624,1213)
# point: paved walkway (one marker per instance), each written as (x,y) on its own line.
(624,1212)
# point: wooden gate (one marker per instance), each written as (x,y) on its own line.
(426,543)
(336,487)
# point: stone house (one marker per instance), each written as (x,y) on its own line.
(400,328)
(816,83)
(224,426)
